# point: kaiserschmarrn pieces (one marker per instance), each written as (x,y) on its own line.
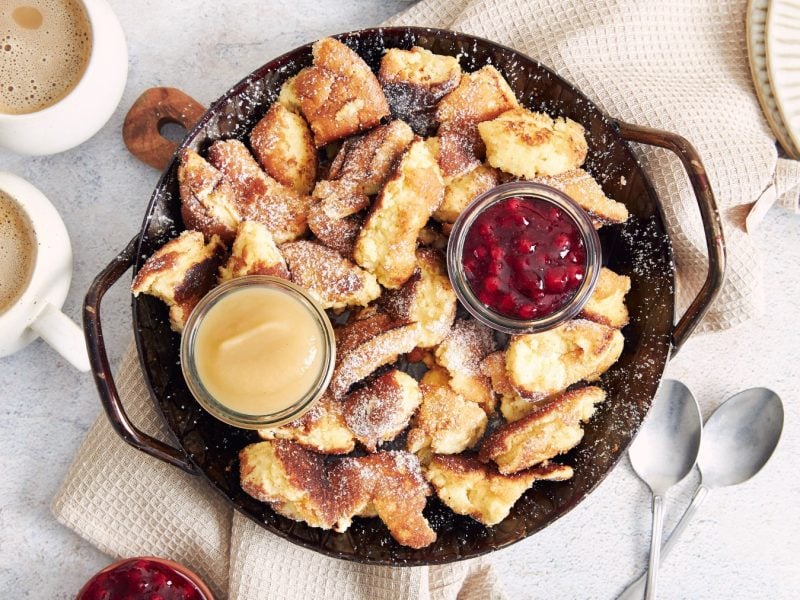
(445,423)
(414,81)
(606,305)
(334,219)
(322,429)
(461,353)
(427,299)
(459,192)
(208,200)
(389,485)
(363,345)
(284,148)
(552,429)
(339,95)
(540,364)
(479,96)
(254,253)
(512,406)
(386,244)
(365,162)
(528,144)
(380,410)
(180,273)
(469,487)
(293,480)
(259,197)
(587,193)
(329,278)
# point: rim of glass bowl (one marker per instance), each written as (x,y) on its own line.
(219,410)
(455,250)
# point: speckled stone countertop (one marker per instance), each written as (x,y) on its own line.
(745,542)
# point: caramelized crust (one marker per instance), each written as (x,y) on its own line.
(380,410)
(364,163)
(259,197)
(284,148)
(469,487)
(459,192)
(552,429)
(330,279)
(446,423)
(254,253)
(461,353)
(208,201)
(540,364)
(386,244)
(300,486)
(528,145)
(480,96)
(414,81)
(180,273)
(292,479)
(339,95)
(427,299)
(606,305)
(334,219)
(389,485)
(364,345)
(587,193)
(322,429)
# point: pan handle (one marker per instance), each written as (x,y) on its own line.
(709,214)
(101,370)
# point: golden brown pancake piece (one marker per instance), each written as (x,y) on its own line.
(529,145)
(606,305)
(469,487)
(283,145)
(587,193)
(386,244)
(329,278)
(552,429)
(339,95)
(180,273)
(254,253)
(541,364)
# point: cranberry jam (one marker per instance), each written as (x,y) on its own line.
(142,579)
(523,257)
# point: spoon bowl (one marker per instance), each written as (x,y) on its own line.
(740,437)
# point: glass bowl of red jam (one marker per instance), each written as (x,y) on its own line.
(145,578)
(523,257)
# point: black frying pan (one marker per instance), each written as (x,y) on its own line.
(640,249)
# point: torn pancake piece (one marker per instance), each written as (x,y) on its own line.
(470,487)
(180,273)
(552,429)
(253,253)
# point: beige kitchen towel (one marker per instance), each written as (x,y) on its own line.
(679,65)
(129,504)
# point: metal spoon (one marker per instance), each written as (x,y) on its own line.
(739,438)
(663,453)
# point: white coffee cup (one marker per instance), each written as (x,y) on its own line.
(84,110)
(37,311)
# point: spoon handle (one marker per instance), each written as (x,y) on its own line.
(655,547)
(634,590)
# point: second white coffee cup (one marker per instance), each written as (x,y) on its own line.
(36,312)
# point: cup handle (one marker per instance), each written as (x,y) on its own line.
(63,335)
(712,226)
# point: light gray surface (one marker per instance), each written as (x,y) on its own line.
(747,547)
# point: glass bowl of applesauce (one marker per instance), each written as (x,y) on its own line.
(257,352)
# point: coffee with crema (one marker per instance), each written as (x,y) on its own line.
(17,251)
(44,50)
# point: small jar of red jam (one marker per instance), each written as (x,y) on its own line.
(145,578)
(523,257)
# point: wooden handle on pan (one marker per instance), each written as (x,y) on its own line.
(152,110)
